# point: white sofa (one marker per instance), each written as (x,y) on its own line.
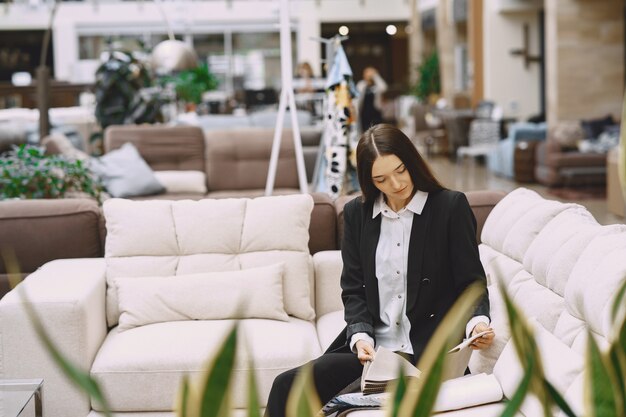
(562,269)
(558,264)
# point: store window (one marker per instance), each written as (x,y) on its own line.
(211,48)
(92,46)
(242,58)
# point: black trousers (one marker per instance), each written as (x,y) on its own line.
(332,372)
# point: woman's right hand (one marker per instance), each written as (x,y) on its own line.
(364,351)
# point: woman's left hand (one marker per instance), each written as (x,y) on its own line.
(485,341)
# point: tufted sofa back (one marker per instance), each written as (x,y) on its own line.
(170,238)
(558,265)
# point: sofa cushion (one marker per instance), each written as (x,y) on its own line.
(244,155)
(328,327)
(575,396)
(536,300)
(156,356)
(162,238)
(484,360)
(594,127)
(248,293)
(567,134)
(530,297)
(561,366)
(124,173)
(560,160)
(598,273)
(163,147)
(516,220)
(182,181)
(552,255)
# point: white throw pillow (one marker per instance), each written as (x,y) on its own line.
(182,181)
(561,366)
(247,293)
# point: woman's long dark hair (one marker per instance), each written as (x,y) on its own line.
(385,139)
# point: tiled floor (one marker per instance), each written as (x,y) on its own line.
(469,175)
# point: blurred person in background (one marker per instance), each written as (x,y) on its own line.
(371,89)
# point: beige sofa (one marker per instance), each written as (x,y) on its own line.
(42,230)
(227,162)
(556,261)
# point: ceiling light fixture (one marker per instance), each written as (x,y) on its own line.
(344,30)
(391,30)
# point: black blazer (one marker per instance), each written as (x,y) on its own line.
(443,261)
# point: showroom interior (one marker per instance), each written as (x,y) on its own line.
(154,138)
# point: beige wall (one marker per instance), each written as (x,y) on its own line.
(506,79)
(585,66)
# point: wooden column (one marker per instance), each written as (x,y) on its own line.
(476,52)
(445,47)
(416,44)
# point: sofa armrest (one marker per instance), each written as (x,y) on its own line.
(39,231)
(328,266)
(69,297)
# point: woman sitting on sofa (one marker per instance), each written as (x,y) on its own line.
(409,250)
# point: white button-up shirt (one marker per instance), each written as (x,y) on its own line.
(392,257)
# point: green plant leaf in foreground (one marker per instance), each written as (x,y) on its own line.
(527,352)
(618,304)
(616,357)
(558,399)
(601,399)
(421,393)
(209,395)
(183,402)
(13,271)
(303,400)
(397,389)
(512,407)
(254,406)
(617,338)
(215,392)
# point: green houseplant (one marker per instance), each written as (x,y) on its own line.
(27,172)
(429,80)
(191,84)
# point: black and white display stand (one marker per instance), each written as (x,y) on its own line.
(286,99)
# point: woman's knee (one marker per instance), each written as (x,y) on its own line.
(284,381)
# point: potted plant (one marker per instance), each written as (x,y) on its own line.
(27,172)
(191,84)
(428,85)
